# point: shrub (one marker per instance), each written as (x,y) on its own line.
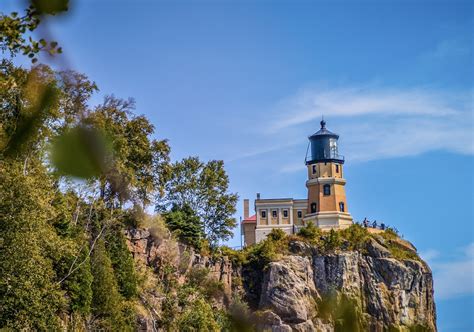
(200,279)
(198,316)
(236,256)
(197,275)
(310,232)
(276,234)
(332,241)
(356,236)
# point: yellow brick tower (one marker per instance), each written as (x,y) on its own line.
(327,206)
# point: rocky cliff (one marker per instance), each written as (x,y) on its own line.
(386,293)
(304,289)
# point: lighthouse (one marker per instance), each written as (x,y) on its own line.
(327,204)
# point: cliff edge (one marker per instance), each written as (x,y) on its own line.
(292,284)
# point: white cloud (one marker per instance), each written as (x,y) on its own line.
(454,278)
(374,123)
(310,104)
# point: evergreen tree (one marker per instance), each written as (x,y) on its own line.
(185,224)
(122,262)
(106,300)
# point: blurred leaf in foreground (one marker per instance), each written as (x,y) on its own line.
(80,152)
(51,7)
(30,124)
(15,29)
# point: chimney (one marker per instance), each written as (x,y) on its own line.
(246,208)
(258,195)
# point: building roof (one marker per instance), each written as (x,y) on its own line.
(323,131)
(250,220)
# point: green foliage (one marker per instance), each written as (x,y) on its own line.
(106,301)
(310,232)
(276,234)
(185,224)
(239,317)
(80,152)
(203,187)
(139,167)
(345,312)
(399,248)
(15,28)
(236,256)
(29,104)
(198,316)
(356,237)
(199,279)
(31,122)
(332,241)
(266,251)
(30,297)
(390,233)
(79,285)
(122,263)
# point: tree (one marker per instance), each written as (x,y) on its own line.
(30,297)
(122,262)
(204,188)
(137,169)
(106,300)
(14,29)
(185,224)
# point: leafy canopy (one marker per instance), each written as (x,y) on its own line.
(204,188)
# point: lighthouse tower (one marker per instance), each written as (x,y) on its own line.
(327,205)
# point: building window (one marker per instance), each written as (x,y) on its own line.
(274,213)
(313,207)
(314,169)
(327,190)
(264,214)
(341,206)
(337,168)
(285,213)
(300,214)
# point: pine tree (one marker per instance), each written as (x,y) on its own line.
(106,300)
(185,224)
(122,262)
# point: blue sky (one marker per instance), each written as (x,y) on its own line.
(248,81)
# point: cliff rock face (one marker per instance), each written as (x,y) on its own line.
(306,290)
(153,251)
(386,292)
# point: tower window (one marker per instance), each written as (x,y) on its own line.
(300,214)
(314,169)
(274,213)
(285,213)
(341,206)
(327,190)
(313,207)
(263,214)
(337,168)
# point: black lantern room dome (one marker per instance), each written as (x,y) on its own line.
(324,147)
(323,131)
